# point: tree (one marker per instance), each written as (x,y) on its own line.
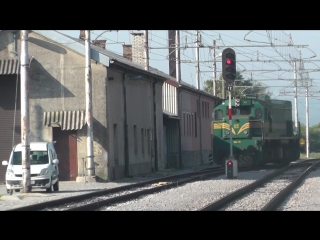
(242,86)
(314,139)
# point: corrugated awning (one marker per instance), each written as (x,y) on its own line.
(67,120)
(9,66)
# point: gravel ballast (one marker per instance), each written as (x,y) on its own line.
(306,196)
(188,197)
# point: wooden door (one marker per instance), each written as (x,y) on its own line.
(66,148)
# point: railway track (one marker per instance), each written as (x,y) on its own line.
(294,173)
(94,200)
(63,203)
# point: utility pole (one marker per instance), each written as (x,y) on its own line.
(307,119)
(25,124)
(88,78)
(146,51)
(172,41)
(197,60)
(214,68)
(223,89)
(295,96)
(178,69)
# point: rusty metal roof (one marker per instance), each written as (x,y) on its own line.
(67,120)
(9,66)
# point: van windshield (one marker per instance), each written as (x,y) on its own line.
(36,157)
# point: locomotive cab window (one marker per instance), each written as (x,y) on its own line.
(245,110)
(218,114)
(258,113)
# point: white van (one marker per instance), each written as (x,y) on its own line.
(43,167)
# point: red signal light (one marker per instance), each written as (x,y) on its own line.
(229,163)
(229,61)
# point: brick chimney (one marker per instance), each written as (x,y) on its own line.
(100,43)
(82,35)
(127,51)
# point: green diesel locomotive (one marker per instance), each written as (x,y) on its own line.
(262,131)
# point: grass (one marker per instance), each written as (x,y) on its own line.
(311,155)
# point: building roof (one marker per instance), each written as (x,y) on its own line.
(73,45)
(104,56)
(98,54)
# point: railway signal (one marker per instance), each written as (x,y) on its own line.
(229,69)
(229,72)
(232,168)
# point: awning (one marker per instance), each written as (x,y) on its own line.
(67,120)
(170,115)
(9,66)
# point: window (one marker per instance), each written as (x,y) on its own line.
(202,109)
(245,110)
(218,114)
(148,139)
(36,157)
(198,106)
(142,140)
(187,124)
(115,142)
(135,139)
(207,110)
(184,123)
(192,125)
(195,124)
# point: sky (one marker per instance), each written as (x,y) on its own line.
(271,66)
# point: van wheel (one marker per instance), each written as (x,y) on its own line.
(56,186)
(9,191)
(49,189)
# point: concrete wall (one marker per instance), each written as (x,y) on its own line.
(190,120)
(159,124)
(57,82)
(116,125)
(206,128)
(66,92)
(7,46)
(140,120)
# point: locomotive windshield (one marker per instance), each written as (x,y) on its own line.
(243,110)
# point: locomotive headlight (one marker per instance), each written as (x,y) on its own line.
(245,132)
(222,102)
(227,132)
